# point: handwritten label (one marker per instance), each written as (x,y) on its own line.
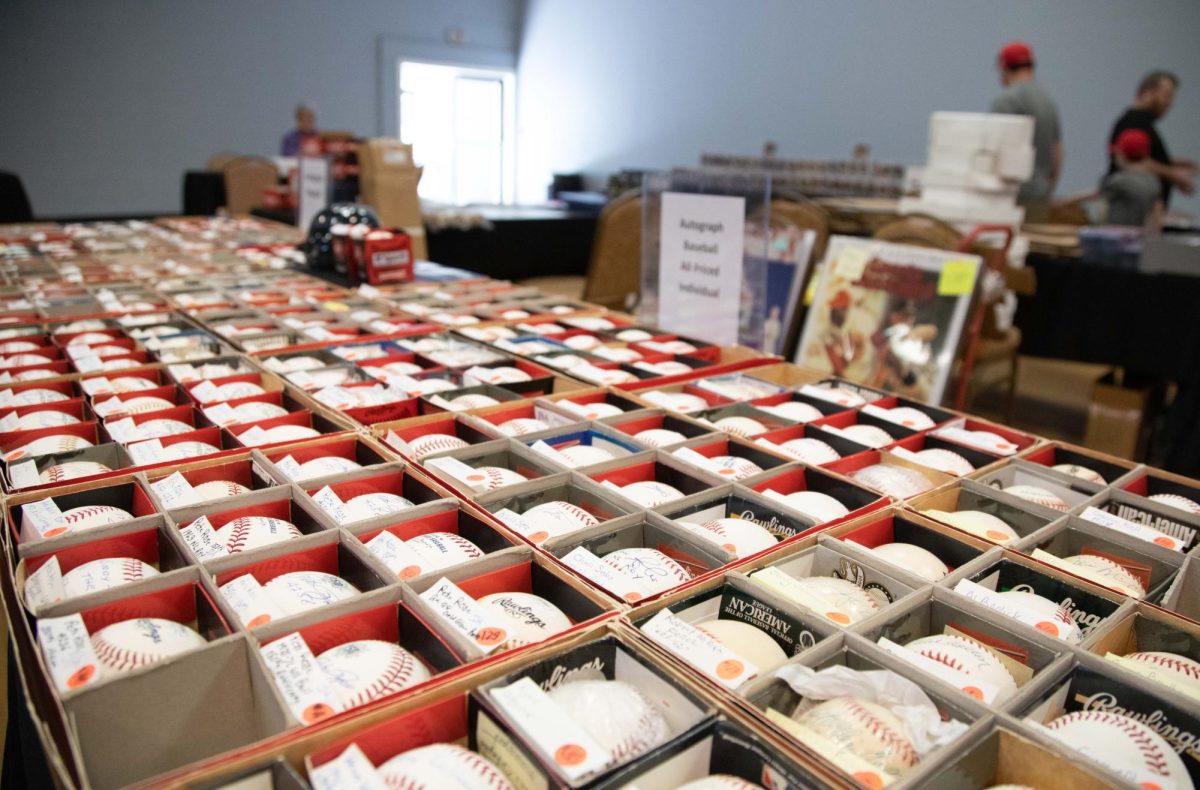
(288,466)
(521,526)
(110,407)
(793,590)
(332,504)
(350,770)
(250,601)
(147,452)
(1141,531)
(88,364)
(700,650)
(973,685)
(994,601)
(122,430)
(202,539)
(175,491)
(592,567)
(555,734)
(206,392)
(393,440)
(44,586)
(24,474)
(688,455)
(456,469)
(309,692)
(67,647)
(185,374)
(222,414)
(97,386)
(253,436)
(465,615)
(397,555)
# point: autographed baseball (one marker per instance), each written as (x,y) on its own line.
(810,451)
(946,461)
(1106,573)
(839,600)
(842,396)
(522,426)
(111,351)
(815,505)
(659,437)
(45,445)
(380,503)
(432,385)
(922,562)
(504,374)
(23,360)
(183,450)
(615,714)
(744,427)
(435,443)
(900,482)
(17,346)
(33,397)
(130,644)
(577,342)
(239,389)
(45,419)
(1175,669)
(104,574)
(325,465)
(439,550)
(289,433)
(1082,472)
(489,478)
(72,470)
(301,591)
(585,455)
(33,374)
(1038,495)
(682,401)
(528,618)
(78,519)
(970,658)
(471,401)
(651,493)
(749,642)
(1125,745)
(978,523)
(655,570)
(1178,502)
(369,669)
(551,519)
(441,765)
(736,535)
(154,429)
(734,466)
(218,489)
(123,384)
(633,335)
(145,404)
(1056,621)
(909,418)
(794,410)
(869,731)
(869,435)
(88,338)
(253,532)
(600,410)
(257,410)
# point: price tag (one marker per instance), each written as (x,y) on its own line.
(175,491)
(88,364)
(184,373)
(9,422)
(307,689)
(250,600)
(592,567)
(202,539)
(147,452)
(109,408)
(957,278)
(393,439)
(397,555)
(44,586)
(697,648)
(206,392)
(222,414)
(350,770)
(67,647)
(465,474)
(123,430)
(253,436)
(288,466)
(99,385)
(1142,531)
(24,474)
(466,616)
(332,504)
(555,734)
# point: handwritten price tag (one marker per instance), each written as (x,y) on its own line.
(68,649)
(464,614)
(306,688)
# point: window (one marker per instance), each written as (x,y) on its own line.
(459,121)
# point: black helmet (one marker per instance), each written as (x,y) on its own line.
(318,248)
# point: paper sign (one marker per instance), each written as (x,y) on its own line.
(88,364)
(1141,531)
(45,518)
(175,491)
(206,392)
(302,379)
(250,600)
(397,555)
(202,539)
(147,452)
(555,734)
(350,770)
(44,586)
(336,397)
(369,292)
(957,278)
(24,474)
(456,469)
(310,694)
(700,265)
(222,414)
(466,616)
(592,567)
(332,504)
(97,386)
(288,466)
(689,643)
(6,397)
(67,647)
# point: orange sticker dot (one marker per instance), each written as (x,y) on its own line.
(1047,627)
(491,636)
(570,754)
(475,477)
(633,596)
(732,549)
(839,617)
(724,471)
(974,691)
(50,533)
(1165,541)
(81,676)
(996,535)
(730,669)
(410,572)
(317,712)
(868,779)
(1150,786)
(539,536)
(262,619)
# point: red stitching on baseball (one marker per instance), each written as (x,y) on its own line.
(882,731)
(398,670)
(238,535)
(1172,662)
(1151,754)
(942,658)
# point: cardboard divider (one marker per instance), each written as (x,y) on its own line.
(1145,628)
(1073,491)
(795,477)
(113,456)
(1110,467)
(1183,596)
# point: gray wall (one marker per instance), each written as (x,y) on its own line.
(104,103)
(637,83)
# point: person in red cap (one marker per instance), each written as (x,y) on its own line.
(1133,192)
(1024,95)
(1155,95)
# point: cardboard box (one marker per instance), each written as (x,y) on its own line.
(1120,414)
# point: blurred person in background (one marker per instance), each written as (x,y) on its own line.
(306,127)
(1024,95)
(1155,95)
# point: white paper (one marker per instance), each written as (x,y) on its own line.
(397,555)
(585,562)
(250,600)
(147,452)
(202,539)
(24,474)
(332,504)
(549,727)
(96,386)
(1141,531)
(307,690)
(45,518)
(44,586)
(206,392)
(175,491)
(465,615)
(67,647)
(221,414)
(122,430)
(693,646)
(350,770)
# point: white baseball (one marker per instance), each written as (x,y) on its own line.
(438,550)
(215,370)
(869,435)
(683,402)
(736,535)
(909,418)
(44,445)
(401,368)
(659,437)
(369,669)
(504,374)
(35,396)
(72,470)
(650,493)
(747,641)
(1178,502)
(1125,745)
(145,404)
(522,426)
(555,518)
(1106,573)
(817,506)
(24,360)
(289,433)
(181,450)
(218,489)
(325,465)
(585,455)
(810,451)
(87,517)
(471,401)
(668,368)
(978,523)
(489,478)
(1082,472)
(734,466)
(865,729)
(895,481)
(130,644)
(528,618)
(794,410)
(744,427)
(441,765)
(1038,495)
(252,532)
(88,338)
(154,429)
(45,419)
(842,601)
(970,658)
(842,396)
(1056,622)
(296,364)
(301,591)
(654,570)
(430,386)
(577,342)
(1175,668)
(82,325)
(614,354)
(617,716)
(104,574)
(380,503)
(633,335)
(34,374)
(111,351)
(915,559)
(945,461)
(435,443)
(119,364)
(17,346)
(257,410)
(600,410)
(124,384)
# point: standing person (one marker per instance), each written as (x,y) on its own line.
(1155,94)
(306,126)
(1133,192)
(1024,95)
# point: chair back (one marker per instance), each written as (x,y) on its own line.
(216,163)
(615,270)
(246,178)
(920,230)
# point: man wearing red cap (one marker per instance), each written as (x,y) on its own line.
(1133,192)
(1155,94)
(1024,95)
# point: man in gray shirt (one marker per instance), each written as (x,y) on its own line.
(1024,95)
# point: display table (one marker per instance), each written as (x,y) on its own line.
(1142,322)
(518,242)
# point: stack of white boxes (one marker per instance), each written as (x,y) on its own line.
(977,162)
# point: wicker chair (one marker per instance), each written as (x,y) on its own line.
(246,178)
(919,230)
(614,275)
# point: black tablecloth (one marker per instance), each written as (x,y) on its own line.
(203,193)
(526,244)
(1146,323)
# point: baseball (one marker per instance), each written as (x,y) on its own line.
(45,419)
(33,374)
(668,368)
(909,418)
(119,364)
(1056,621)
(256,410)
(368,669)
(633,335)
(441,765)
(239,389)
(253,532)
(734,466)
(88,338)
(401,368)
(301,591)
(719,782)
(153,429)
(585,455)
(577,342)
(87,517)
(608,377)
(529,618)
(747,641)
(504,375)
(375,504)
(945,461)
(810,451)
(182,450)
(439,550)
(895,481)
(841,396)
(17,346)
(868,435)
(145,404)
(1037,495)
(44,445)
(430,386)
(1178,502)
(1082,472)
(33,397)
(843,602)
(72,470)
(552,519)
(869,731)
(651,493)
(1106,573)
(744,427)
(471,401)
(435,443)
(794,410)
(655,570)
(598,411)
(978,523)
(82,325)
(129,644)
(815,505)
(297,363)
(736,535)
(218,489)
(325,465)
(125,384)
(922,562)
(615,354)
(22,360)
(1128,747)
(659,437)
(615,714)
(110,351)
(104,574)
(489,478)
(213,370)
(970,658)
(522,426)
(1169,666)
(683,402)
(289,433)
